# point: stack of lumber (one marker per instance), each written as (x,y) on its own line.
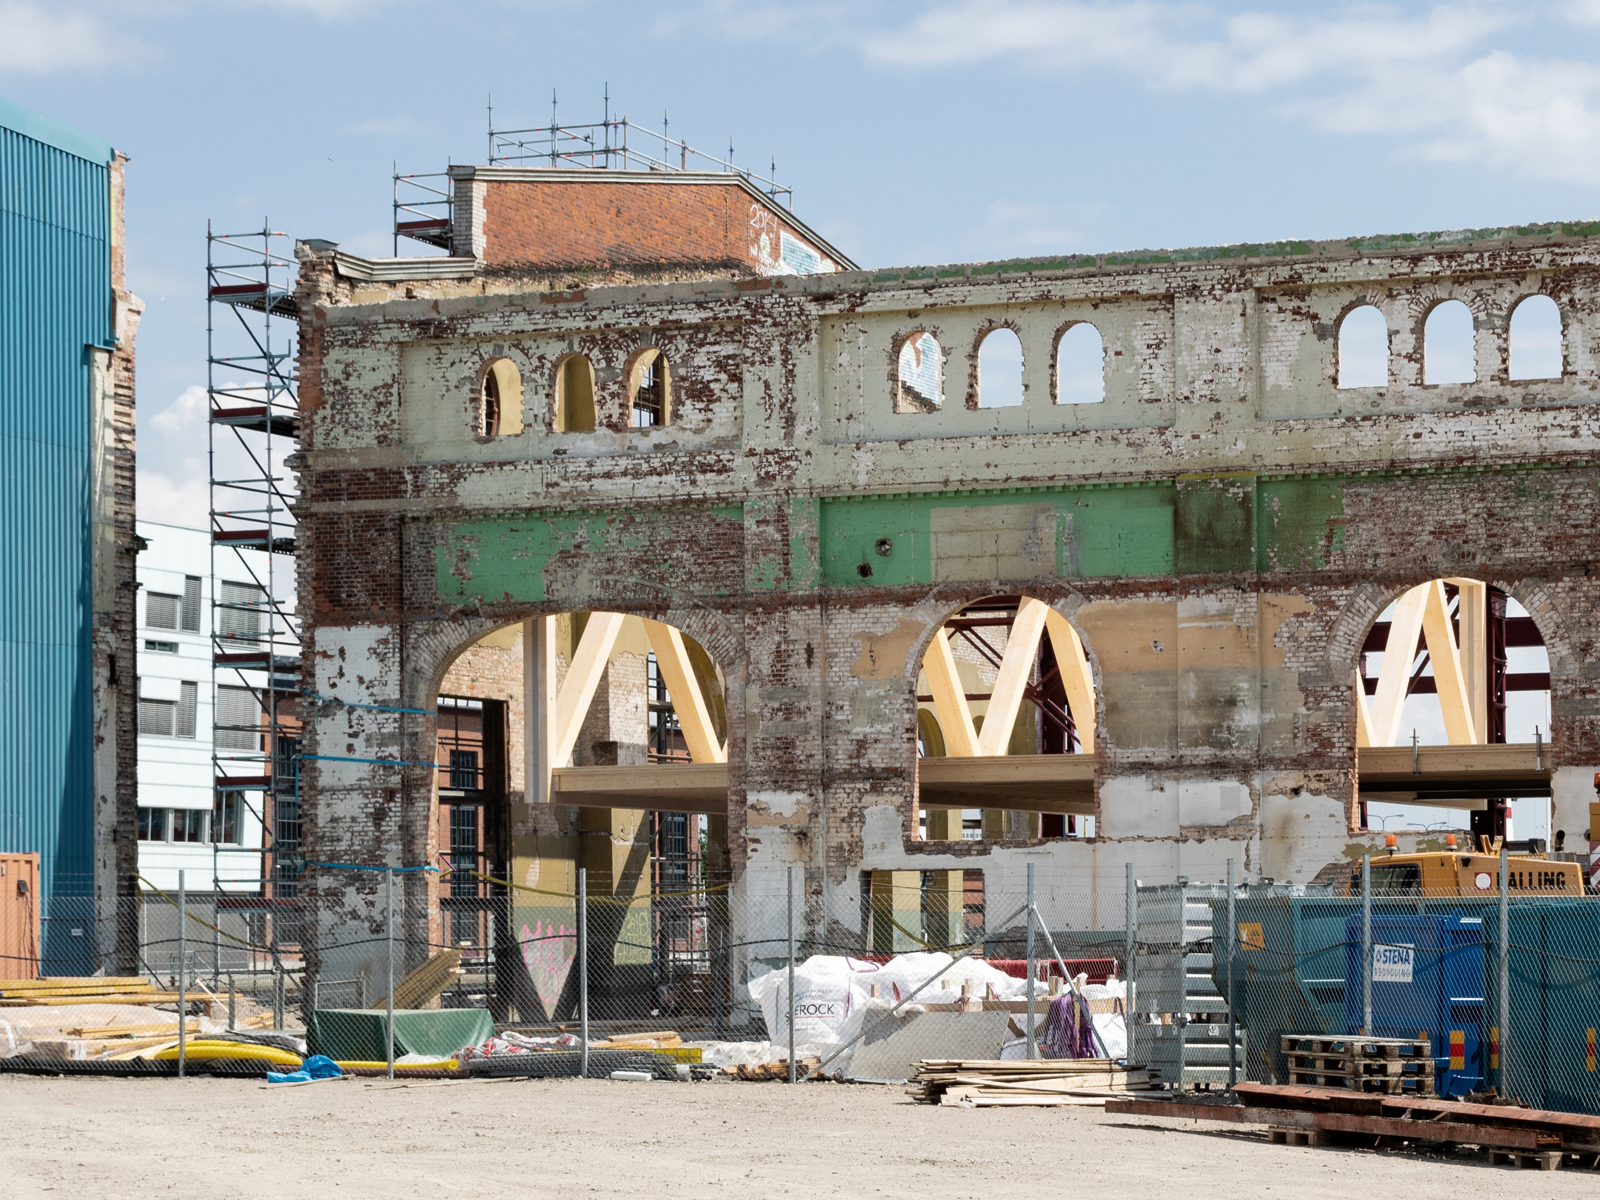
(87,989)
(1525,1137)
(665,1039)
(987,1083)
(1361,1064)
(427,981)
(769,1071)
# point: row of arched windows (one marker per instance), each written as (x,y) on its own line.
(1078,377)
(498,411)
(1449,344)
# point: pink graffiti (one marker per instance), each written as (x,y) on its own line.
(547,953)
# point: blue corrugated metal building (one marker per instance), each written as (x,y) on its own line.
(57,309)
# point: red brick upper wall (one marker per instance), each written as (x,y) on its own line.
(589,220)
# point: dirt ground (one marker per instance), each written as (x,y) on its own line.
(221,1139)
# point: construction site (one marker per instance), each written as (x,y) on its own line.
(646,646)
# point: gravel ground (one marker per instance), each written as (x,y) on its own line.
(217,1138)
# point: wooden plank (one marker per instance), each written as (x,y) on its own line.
(1398,655)
(694,718)
(1076,676)
(539,693)
(658,787)
(1060,783)
(589,661)
(950,699)
(1472,617)
(1448,676)
(1374,1126)
(1016,666)
(1363,714)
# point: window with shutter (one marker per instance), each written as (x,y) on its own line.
(191,603)
(161,611)
(188,702)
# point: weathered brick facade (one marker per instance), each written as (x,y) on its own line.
(1222,530)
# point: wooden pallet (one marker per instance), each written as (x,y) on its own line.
(1367,1047)
(1393,1066)
(1288,1135)
(1539,1160)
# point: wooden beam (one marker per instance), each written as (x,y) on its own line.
(1398,655)
(1076,675)
(1363,716)
(677,672)
(1053,783)
(1445,657)
(1464,772)
(1472,617)
(539,705)
(1016,666)
(950,698)
(659,787)
(589,659)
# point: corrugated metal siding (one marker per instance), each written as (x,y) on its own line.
(55,301)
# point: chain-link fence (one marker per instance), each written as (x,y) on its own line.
(1479,972)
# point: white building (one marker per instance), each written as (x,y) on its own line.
(184,822)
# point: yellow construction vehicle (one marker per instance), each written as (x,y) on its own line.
(1457,872)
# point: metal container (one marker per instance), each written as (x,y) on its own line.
(1427,979)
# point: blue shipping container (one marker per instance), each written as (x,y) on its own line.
(1427,979)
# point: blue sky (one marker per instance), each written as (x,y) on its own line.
(915,132)
(912,132)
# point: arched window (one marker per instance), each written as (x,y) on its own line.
(1536,339)
(999,369)
(574,395)
(1080,365)
(649,391)
(1447,345)
(1363,348)
(919,379)
(499,408)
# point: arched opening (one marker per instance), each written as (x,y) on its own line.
(919,374)
(1080,365)
(499,408)
(1536,339)
(1363,348)
(1006,677)
(649,391)
(1448,345)
(574,399)
(1454,663)
(999,383)
(593,741)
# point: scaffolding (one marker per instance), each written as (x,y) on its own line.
(254,423)
(424,204)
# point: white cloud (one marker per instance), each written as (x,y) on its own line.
(184,413)
(41,40)
(185,502)
(1440,79)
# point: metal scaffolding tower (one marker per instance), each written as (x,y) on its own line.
(251,323)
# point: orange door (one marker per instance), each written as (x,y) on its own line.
(19,916)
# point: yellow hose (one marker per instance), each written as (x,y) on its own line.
(203,1050)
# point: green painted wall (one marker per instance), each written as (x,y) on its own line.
(1190,526)
(506,558)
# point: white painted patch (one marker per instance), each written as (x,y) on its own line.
(1211,801)
(1139,806)
(779,804)
(1571,793)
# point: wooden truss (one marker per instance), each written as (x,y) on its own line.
(1034,620)
(555,715)
(1458,666)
